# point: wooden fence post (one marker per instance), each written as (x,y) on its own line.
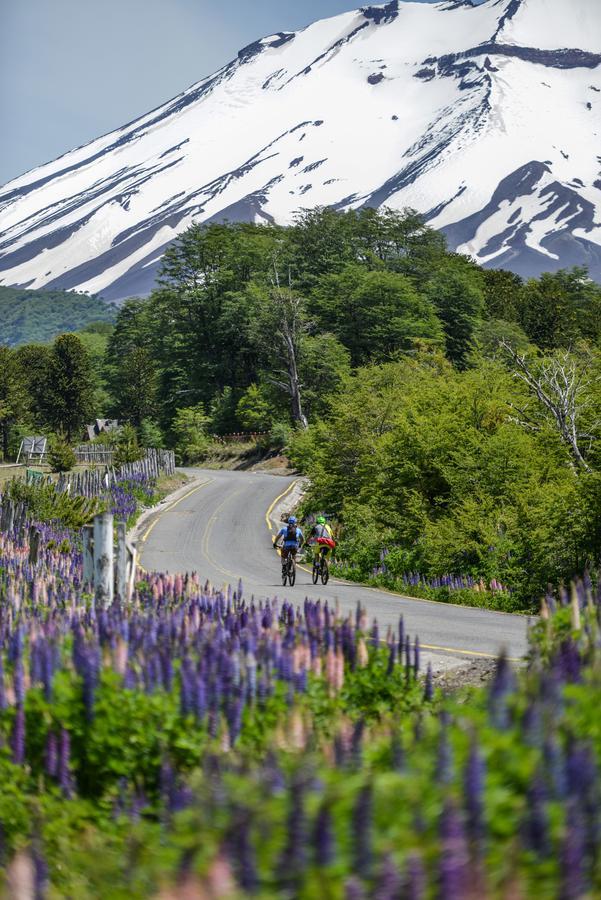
(132,565)
(88,556)
(34,544)
(103,559)
(121,567)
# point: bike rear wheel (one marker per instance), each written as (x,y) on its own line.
(315,573)
(325,571)
(291,572)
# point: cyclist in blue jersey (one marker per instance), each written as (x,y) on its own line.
(290,538)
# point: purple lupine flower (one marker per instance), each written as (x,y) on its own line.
(40,870)
(574,882)
(357,743)
(501,688)
(535,827)
(556,767)
(389,882)
(245,856)
(273,775)
(353,889)
(453,863)
(362,831)
(186,687)
(19,681)
(18,737)
(414,878)
(3,700)
(90,666)
(64,763)
(391,659)
(408,667)
(416,657)
(234,718)
(200,697)
(401,640)
(292,862)
(166,670)
(51,755)
(569,661)
(48,659)
(473,787)
(375,635)
(429,685)
(323,838)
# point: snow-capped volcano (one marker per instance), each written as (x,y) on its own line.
(486,118)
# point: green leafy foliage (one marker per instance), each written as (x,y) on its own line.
(428,463)
(190,434)
(46,504)
(127,448)
(61,457)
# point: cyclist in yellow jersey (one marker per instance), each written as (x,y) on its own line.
(318,536)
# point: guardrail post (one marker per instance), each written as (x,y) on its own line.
(103,559)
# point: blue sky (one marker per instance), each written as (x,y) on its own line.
(71,70)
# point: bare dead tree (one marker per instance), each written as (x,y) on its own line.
(563,391)
(289,328)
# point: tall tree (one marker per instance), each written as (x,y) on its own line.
(564,390)
(283,325)
(374,313)
(457,291)
(33,361)
(132,366)
(69,396)
(561,308)
(13,396)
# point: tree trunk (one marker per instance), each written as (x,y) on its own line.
(298,415)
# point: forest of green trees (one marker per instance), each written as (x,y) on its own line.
(40,315)
(445,414)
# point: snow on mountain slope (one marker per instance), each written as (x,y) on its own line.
(485,118)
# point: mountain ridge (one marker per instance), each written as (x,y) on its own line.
(451,108)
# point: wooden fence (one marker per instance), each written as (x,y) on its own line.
(95,482)
(242,437)
(94,455)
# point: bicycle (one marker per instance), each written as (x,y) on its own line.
(289,570)
(321,568)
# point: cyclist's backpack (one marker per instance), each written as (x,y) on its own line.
(291,534)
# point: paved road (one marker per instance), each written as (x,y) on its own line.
(221,530)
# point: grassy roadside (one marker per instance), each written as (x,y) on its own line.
(246,457)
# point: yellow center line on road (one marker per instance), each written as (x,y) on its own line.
(167,509)
(171,506)
(207,534)
(477,653)
(277,500)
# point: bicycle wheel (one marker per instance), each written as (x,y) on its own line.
(315,572)
(291,572)
(325,571)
